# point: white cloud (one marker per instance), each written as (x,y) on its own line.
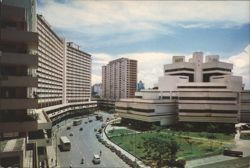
(241,64)
(100,18)
(150,65)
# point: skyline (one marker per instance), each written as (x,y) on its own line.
(153,32)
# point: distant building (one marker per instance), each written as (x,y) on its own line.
(119,79)
(140,86)
(193,91)
(97,89)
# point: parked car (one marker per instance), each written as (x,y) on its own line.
(71,134)
(80,129)
(68,128)
(96,159)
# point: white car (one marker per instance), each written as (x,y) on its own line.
(96,159)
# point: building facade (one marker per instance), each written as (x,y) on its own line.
(43,80)
(78,74)
(119,79)
(201,92)
(97,89)
(20,123)
(140,86)
(50,65)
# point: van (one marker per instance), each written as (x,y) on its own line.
(96,159)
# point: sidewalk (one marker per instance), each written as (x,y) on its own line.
(131,157)
(52,155)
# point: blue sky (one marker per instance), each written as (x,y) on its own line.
(152,30)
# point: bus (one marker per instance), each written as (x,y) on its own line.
(77,122)
(65,143)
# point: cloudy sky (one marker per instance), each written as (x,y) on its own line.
(153,31)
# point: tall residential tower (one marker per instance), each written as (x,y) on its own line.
(119,79)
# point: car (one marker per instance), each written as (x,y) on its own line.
(95,129)
(103,125)
(80,129)
(86,122)
(71,134)
(68,128)
(90,120)
(96,159)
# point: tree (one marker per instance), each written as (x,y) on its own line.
(161,149)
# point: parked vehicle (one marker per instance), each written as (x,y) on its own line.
(233,153)
(80,129)
(68,128)
(71,134)
(65,143)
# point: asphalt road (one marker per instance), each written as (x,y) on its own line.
(85,144)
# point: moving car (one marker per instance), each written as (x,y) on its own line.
(96,159)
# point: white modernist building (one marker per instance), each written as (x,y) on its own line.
(193,91)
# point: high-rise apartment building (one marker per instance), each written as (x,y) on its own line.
(42,80)
(64,74)
(50,65)
(78,74)
(20,123)
(119,79)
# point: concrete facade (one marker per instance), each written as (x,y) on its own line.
(78,74)
(200,92)
(119,79)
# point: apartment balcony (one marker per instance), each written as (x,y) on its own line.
(19,59)
(19,81)
(17,36)
(11,13)
(15,104)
